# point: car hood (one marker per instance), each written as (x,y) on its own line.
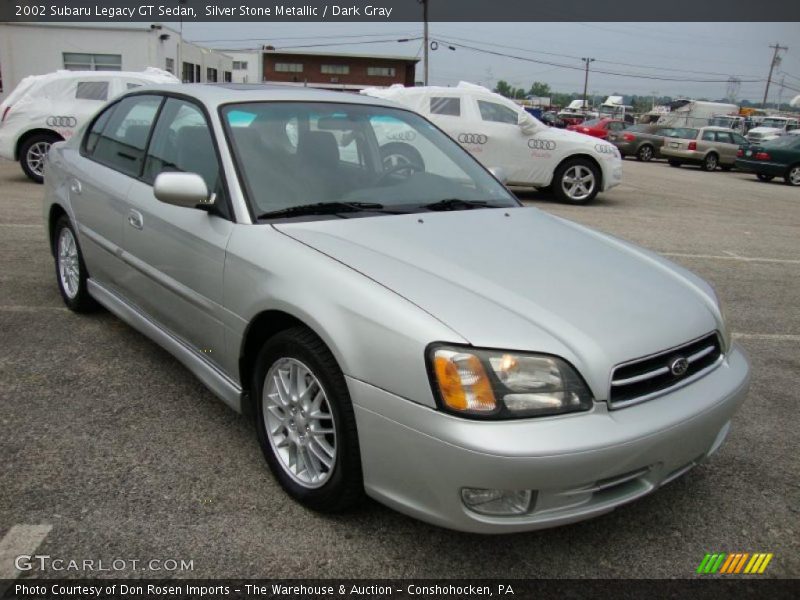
(521,279)
(763,130)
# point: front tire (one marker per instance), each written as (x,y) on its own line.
(305,422)
(71,272)
(792,176)
(33,152)
(576,181)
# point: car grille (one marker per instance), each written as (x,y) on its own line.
(645,378)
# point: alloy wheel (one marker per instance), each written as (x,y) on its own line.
(68,263)
(645,153)
(35,157)
(711,162)
(299,422)
(578,182)
(794,176)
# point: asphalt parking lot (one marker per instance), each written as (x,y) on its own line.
(111,442)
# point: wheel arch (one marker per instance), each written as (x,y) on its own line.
(54,214)
(262,327)
(584,156)
(32,132)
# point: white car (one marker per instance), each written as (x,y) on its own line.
(516,146)
(771,128)
(44,109)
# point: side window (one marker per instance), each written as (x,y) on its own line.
(446,106)
(182,141)
(91,90)
(97,128)
(708,136)
(724,137)
(497,113)
(121,143)
(616,126)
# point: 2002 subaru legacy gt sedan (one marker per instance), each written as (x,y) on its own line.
(401,328)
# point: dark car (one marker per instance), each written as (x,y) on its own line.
(551,120)
(777,158)
(642,141)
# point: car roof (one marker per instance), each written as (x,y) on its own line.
(716,128)
(217,94)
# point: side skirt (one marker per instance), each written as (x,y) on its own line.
(214,379)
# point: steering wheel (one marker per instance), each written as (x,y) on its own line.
(400,167)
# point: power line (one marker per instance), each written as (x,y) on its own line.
(299,37)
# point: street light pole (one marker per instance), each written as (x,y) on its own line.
(425,38)
(586,79)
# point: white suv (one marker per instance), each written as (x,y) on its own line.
(509,141)
(44,109)
(771,128)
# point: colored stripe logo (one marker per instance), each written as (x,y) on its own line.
(735,563)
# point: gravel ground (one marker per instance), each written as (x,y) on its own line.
(108,439)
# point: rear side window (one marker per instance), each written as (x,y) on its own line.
(182,142)
(708,136)
(122,141)
(97,129)
(92,90)
(446,106)
(497,113)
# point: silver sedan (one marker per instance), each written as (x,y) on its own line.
(400,328)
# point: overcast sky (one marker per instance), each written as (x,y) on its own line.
(680,51)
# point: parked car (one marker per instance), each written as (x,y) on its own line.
(551,119)
(709,147)
(642,141)
(410,331)
(503,137)
(44,109)
(599,128)
(772,127)
(775,158)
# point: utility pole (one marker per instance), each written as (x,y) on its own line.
(586,79)
(425,38)
(775,60)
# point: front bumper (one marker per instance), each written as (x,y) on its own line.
(416,459)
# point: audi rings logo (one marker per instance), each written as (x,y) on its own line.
(62,121)
(541,144)
(472,138)
(402,136)
(605,149)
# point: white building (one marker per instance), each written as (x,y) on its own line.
(247,64)
(39,48)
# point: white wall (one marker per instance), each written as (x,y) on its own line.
(36,49)
(254,72)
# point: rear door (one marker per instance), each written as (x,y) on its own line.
(112,155)
(179,252)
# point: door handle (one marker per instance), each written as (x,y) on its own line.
(75,186)
(135,219)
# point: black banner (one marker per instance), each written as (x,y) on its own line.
(344,589)
(121,11)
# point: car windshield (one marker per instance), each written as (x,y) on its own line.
(353,157)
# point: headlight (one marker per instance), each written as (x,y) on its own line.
(495,384)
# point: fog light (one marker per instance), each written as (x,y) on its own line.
(497,502)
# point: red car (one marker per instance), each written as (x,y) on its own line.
(599,128)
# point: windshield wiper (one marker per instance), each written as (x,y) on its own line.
(322,208)
(457,204)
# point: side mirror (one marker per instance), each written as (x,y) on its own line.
(499,174)
(188,190)
(526,123)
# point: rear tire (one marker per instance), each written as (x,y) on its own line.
(32,154)
(645,153)
(710,162)
(71,273)
(321,471)
(675,163)
(792,176)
